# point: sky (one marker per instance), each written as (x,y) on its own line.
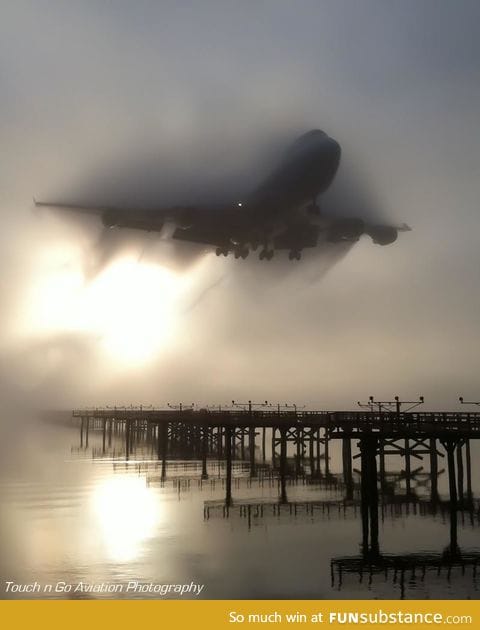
(152,102)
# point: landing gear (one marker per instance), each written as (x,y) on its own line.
(221,251)
(240,252)
(266,254)
(294,254)
(313,208)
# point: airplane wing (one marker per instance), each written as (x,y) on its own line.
(203,235)
(150,220)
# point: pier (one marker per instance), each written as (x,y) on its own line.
(300,443)
(237,450)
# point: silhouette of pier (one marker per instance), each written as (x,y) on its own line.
(283,448)
(226,433)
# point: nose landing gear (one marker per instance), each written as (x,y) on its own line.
(294,254)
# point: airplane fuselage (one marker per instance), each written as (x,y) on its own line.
(281,213)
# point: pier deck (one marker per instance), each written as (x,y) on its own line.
(338,424)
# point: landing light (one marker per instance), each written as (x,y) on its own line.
(239,203)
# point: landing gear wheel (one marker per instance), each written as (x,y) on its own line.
(241,252)
(313,208)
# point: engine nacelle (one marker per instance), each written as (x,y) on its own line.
(346,230)
(110,218)
(383,234)
(186,219)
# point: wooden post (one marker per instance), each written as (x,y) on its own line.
(433,470)
(347,466)
(274,431)
(251,448)
(299,440)
(364,495)
(283,464)
(311,454)
(162,444)
(460,472)
(469,470)
(408,468)
(228,457)
(319,468)
(104,435)
(450,448)
(220,441)
(327,455)
(204,452)
(373,490)
(127,438)
(381,449)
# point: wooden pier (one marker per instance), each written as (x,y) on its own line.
(230,446)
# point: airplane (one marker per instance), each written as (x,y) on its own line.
(282,213)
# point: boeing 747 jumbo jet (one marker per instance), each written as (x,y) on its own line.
(283,213)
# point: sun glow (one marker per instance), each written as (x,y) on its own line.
(128,513)
(130,309)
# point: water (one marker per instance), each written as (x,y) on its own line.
(71,513)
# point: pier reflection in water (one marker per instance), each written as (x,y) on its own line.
(266,473)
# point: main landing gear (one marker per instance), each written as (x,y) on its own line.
(266,254)
(294,254)
(239,252)
(313,208)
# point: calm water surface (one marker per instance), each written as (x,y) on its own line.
(72,513)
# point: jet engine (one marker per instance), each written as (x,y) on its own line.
(346,230)
(110,218)
(186,219)
(383,234)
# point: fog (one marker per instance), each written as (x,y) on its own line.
(150,103)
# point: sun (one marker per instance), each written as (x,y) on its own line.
(130,310)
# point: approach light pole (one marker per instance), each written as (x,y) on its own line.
(391,405)
(249,405)
(181,406)
(468,402)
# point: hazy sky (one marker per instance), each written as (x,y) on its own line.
(138,101)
